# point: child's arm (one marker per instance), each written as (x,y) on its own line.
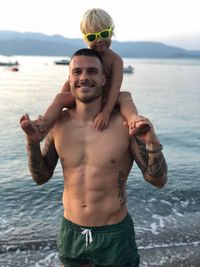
(129,112)
(102,119)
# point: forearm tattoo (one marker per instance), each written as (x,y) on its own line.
(34,162)
(42,164)
(152,163)
(121,188)
(157,166)
(142,158)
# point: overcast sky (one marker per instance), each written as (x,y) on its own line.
(135,20)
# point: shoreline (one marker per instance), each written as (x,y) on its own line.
(174,256)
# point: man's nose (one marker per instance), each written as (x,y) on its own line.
(84,75)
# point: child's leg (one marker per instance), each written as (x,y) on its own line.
(43,123)
(62,100)
(66,87)
(127,106)
(130,113)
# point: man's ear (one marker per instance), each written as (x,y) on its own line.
(104,80)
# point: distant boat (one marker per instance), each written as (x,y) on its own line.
(9,63)
(62,62)
(14,69)
(128,69)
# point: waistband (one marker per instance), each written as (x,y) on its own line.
(111,227)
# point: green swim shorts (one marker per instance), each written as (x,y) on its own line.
(109,246)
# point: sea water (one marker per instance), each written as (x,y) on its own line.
(168,92)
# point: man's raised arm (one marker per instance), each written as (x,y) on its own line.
(41,162)
(147,152)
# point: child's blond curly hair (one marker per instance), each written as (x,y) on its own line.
(95,20)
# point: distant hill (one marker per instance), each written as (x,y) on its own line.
(16,43)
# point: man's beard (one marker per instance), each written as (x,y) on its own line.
(88,98)
(85,98)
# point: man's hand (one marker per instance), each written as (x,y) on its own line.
(31,130)
(137,125)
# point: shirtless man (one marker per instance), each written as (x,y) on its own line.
(96,228)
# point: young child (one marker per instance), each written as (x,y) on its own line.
(98,27)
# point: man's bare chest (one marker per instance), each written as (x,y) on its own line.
(89,146)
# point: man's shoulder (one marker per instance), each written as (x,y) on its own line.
(68,113)
(62,123)
(115,113)
(117,117)
(65,117)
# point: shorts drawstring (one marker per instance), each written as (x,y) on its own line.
(88,236)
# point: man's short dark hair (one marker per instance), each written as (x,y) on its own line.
(87,52)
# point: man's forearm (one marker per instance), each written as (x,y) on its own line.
(37,165)
(156,172)
(151,161)
(41,163)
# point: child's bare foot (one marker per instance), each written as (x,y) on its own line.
(30,129)
(137,125)
(42,124)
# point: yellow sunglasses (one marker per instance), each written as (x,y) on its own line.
(105,34)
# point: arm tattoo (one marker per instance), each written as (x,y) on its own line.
(142,156)
(121,188)
(42,164)
(153,164)
(157,166)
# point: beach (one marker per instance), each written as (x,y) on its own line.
(166,220)
(175,256)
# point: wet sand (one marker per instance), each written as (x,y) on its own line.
(174,256)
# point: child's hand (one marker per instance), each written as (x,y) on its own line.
(137,125)
(101,121)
